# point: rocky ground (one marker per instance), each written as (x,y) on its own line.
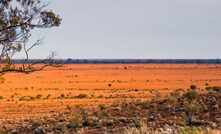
(174,113)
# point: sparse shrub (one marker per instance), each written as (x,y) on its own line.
(102,107)
(81,96)
(216,88)
(38,96)
(1,98)
(62,95)
(175,94)
(194,130)
(100,96)
(193,87)
(48,96)
(208,88)
(111,96)
(192,95)
(191,110)
(172,100)
(32,98)
(26,98)
(1,130)
(142,129)
(92,96)
(180,89)
(76,121)
(35,125)
(91,121)
(68,107)
(2,80)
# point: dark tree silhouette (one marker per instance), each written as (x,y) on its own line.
(17,19)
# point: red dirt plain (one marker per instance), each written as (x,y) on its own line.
(102,83)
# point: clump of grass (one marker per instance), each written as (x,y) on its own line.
(26,98)
(194,130)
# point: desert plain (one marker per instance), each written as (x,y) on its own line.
(46,92)
(42,93)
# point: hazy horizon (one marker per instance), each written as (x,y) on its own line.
(127,29)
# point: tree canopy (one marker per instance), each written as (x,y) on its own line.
(17,19)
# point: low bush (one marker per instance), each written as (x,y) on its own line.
(80,96)
(192,94)
(38,96)
(216,88)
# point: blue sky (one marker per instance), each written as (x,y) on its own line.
(131,29)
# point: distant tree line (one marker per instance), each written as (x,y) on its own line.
(130,61)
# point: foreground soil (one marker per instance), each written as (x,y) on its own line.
(44,93)
(195,111)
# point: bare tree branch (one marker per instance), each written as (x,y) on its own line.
(17,20)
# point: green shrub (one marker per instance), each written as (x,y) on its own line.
(32,98)
(175,94)
(62,95)
(192,95)
(1,97)
(48,96)
(35,125)
(38,96)
(81,96)
(208,88)
(194,130)
(68,107)
(216,88)
(193,87)
(191,109)
(172,100)
(100,96)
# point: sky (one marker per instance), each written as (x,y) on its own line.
(133,29)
